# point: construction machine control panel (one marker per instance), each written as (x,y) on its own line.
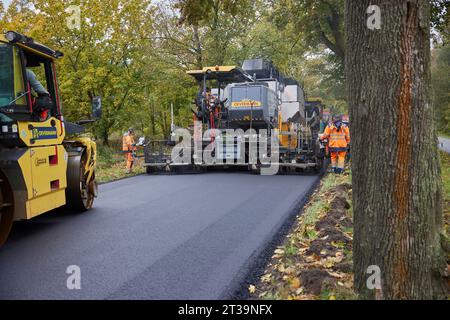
(9,134)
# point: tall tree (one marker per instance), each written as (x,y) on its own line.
(396,172)
(217,25)
(318,26)
(440,18)
(320,21)
(104,57)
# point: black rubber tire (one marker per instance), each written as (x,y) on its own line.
(6,210)
(322,165)
(6,222)
(78,196)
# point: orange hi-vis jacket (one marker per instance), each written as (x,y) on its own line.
(128,143)
(338,140)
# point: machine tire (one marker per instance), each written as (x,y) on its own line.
(6,210)
(79,195)
(322,165)
(150,170)
(319,165)
(254,169)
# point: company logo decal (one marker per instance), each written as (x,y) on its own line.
(246,104)
(42,133)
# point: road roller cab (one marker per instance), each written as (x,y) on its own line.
(44,162)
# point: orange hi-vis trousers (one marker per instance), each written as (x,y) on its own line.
(129,158)
(128,147)
(338,158)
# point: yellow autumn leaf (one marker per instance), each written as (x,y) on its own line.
(263,294)
(266,278)
(299,291)
(295,283)
(251,288)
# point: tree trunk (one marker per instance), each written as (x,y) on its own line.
(396,172)
(151,111)
(153,118)
(334,23)
(198,48)
(165,125)
(105,135)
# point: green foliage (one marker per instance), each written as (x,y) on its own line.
(440,71)
(271,296)
(329,181)
(291,250)
(440,12)
(445,164)
(106,156)
(312,213)
(196,12)
(134,54)
(111,164)
(319,28)
(218,27)
(320,22)
(111,56)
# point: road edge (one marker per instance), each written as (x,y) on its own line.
(255,265)
(122,178)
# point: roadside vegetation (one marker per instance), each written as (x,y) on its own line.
(440,64)
(315,262)
(111,164)
(445,163)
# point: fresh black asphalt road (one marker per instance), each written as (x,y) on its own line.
(152,237)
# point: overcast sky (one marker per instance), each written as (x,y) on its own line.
(5,2)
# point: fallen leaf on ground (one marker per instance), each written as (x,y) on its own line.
(279,251)
(295,283)
(266,278)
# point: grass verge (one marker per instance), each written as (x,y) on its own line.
(445,167)
(315,261)
(111,165)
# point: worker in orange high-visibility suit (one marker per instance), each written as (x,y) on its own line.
(129,148)
(338,136)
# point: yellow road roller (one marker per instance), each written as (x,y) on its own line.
(45,161)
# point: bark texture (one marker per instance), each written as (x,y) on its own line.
(396,172)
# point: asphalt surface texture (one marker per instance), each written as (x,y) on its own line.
(444,144)
(153,237)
